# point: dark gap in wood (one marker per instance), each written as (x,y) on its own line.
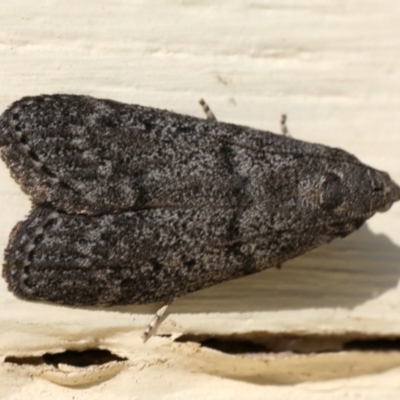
(264,342)
(74,358)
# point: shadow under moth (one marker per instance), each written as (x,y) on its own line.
(135,205)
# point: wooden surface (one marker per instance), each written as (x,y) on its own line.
(333,67)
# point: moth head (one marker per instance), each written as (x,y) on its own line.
(357,189)
(384,191)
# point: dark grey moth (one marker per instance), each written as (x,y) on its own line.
(135,204)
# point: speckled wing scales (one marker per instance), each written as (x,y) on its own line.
(91,156)
(84,155)
(136,205)
(127,258)
(139,257)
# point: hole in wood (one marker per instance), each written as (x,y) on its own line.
(74,358)
(263,342)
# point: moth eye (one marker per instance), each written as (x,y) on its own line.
(331,191)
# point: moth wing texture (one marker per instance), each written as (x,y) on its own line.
(90,156)
(147,255)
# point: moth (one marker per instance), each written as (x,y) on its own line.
(135,205)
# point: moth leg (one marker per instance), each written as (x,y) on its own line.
(156,321)
(284,128)
(209,114)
